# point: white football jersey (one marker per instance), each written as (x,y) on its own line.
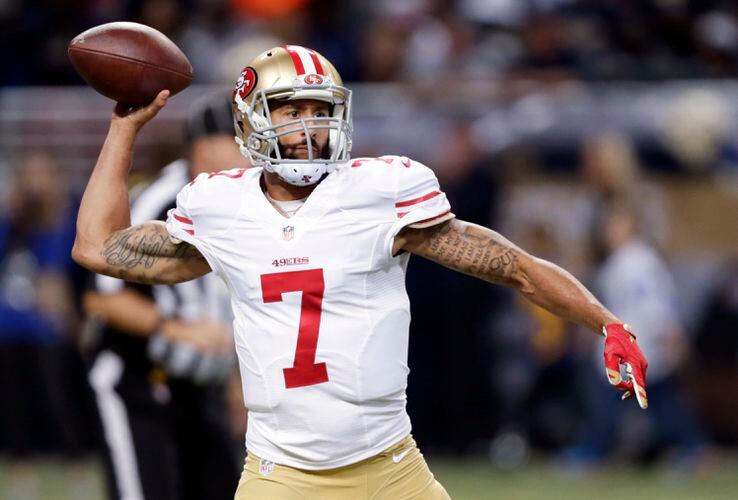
(321,311)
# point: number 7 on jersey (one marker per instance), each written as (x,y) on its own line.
(304,370)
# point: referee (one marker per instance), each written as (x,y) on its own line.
(162,354)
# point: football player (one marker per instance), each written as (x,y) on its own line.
(313,246)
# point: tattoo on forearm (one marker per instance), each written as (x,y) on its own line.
(472,250)
(143,246)
(483,253)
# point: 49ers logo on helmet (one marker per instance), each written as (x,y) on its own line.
(313,79)
(246,82)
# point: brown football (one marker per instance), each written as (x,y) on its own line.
(129,62)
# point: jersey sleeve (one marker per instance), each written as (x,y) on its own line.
(188,221)
(419,200)
(179,220)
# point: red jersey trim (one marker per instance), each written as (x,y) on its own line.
(414,201)
(184,220)
(189,231)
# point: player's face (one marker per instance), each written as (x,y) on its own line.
(293,146)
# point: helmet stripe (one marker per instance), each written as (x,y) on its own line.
(296,59)
(316,62)
(305,60)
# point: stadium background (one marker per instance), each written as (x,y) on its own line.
(532,113)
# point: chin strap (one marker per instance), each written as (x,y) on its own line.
(242,148)
(241,104)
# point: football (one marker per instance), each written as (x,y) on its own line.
(129,62)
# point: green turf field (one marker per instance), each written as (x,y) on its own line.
(50,480)
(476,480)
(464,480)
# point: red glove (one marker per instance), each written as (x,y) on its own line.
(621,348)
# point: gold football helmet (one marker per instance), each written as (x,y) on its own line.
(286,73)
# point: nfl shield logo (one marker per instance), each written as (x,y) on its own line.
(266,467)
(288,232)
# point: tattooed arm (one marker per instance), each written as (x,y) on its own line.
(146,253)
(105,242)
(485,254)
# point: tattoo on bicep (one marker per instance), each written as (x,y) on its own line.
(144,246)
(473,250)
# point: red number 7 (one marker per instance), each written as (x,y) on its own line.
(310,282)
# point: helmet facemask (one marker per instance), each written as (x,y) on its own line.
(258,137)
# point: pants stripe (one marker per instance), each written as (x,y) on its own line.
(105,374)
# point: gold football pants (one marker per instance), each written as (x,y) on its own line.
(397,473)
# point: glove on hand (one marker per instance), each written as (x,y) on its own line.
(621,348)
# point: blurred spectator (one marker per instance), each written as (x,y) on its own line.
(635,284)
(42,400)
(36,232)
